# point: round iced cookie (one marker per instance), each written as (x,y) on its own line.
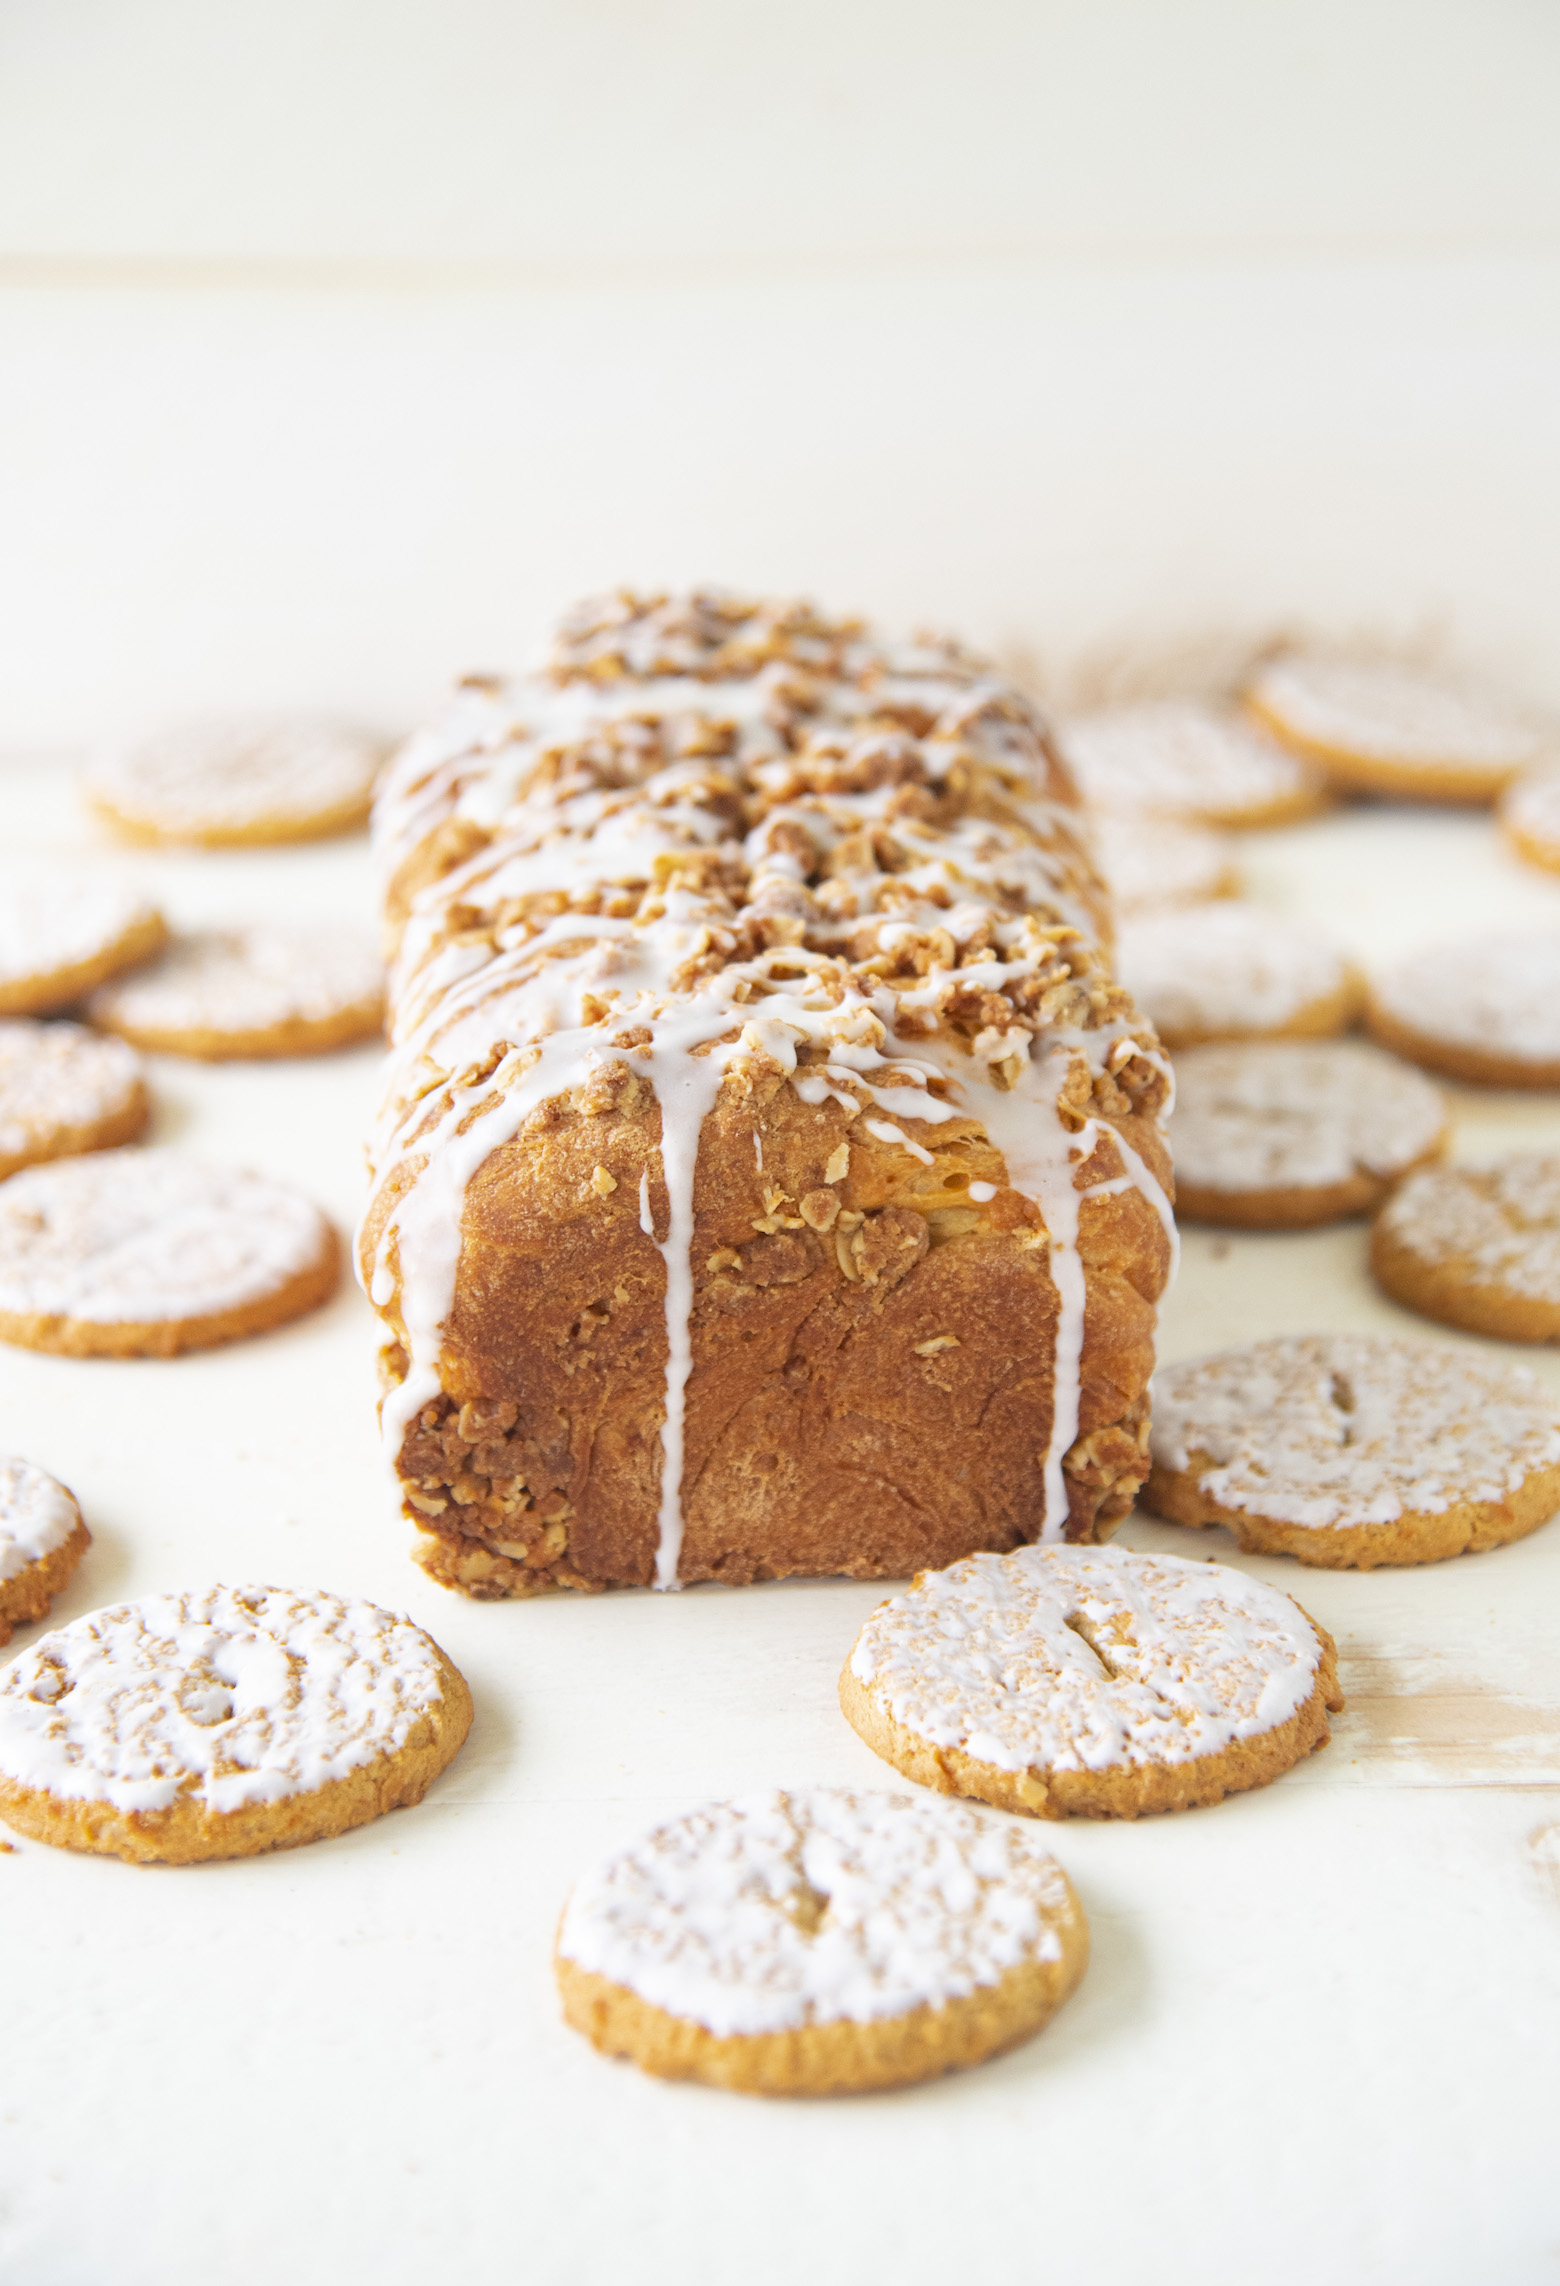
(1352,1450)
(64,1090)
(1178,758)
(1484,1008)
(1284,1134)
(239,781)
(147,1253)
(60,936)
(1477,1246)
(42,1540)
(820,1943)
(1379,727)
(223,1723)
(1232,972)
(249,992)
(1530,816)
(1091,1682)
(1153,862)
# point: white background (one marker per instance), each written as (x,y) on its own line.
(338,344)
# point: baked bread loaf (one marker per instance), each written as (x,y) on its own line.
(769,1178)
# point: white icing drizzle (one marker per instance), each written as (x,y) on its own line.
(37,1515)
(55,1078)
(1069,1659)
(501,1000)
(224,1696)
(1335,1430)
(137,1237)
(781,1910)
(1499,992)
(1260,1115)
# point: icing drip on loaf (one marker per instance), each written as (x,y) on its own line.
(706,839)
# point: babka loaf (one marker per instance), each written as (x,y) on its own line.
(769,1178)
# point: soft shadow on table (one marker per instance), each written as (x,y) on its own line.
(1108,2004)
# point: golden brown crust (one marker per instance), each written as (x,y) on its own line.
(1354,773)
(298,1036)
(1418,1536)
(1127,1790)
(27,1594)
(826,1429)
(281,825)
(842,2058)
(1479,1066)
(170,1337)
(1320,1019)
(188,1834)
(1447,1292)
(126,1125)
(57,988)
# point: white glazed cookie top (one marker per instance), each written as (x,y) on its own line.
(48,925)
(58,1076)
(1149,862)
(227,1696)
(138,1237)
(1498,1226)
(204,777)
(1088,1658)
(1390,713)
(1180,759)
(1226,968)
(1261,1115)
(787,1909)
(1530,805)
(245,980)
(1331,1430)
(1500,993)
(37,1515)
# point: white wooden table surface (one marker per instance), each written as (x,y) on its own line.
(1318,2035)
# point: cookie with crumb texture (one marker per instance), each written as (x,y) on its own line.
(244,781)
(1233,972)
(1353,1450)
(1483,1008)
(1477,1247)
(1185,759)
(219,994)
(1290,1134)
(42,1540)
(1151,863)
(60,936)
(1529,814)
(1377,726)
(146,1253)
(1091,1682)
(820,1942)
(223,1723)
(64,1091)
